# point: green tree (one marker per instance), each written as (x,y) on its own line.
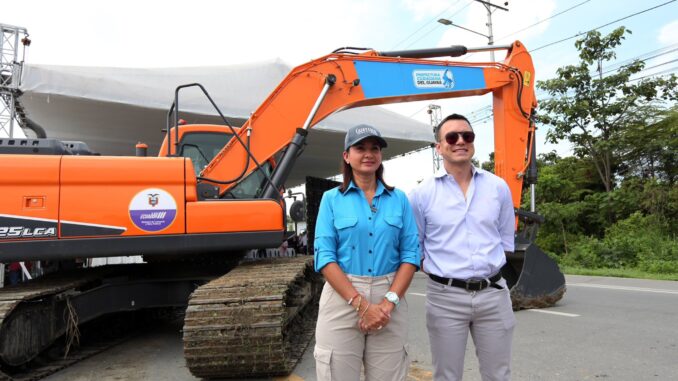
(651,151)
(489,165)
(591,107)
(563,197)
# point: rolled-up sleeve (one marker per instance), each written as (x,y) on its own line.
(507,220)
(409,236)
(326,240)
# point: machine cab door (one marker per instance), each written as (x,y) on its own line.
(202,146)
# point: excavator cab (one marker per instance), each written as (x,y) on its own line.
(201,147)
(201,143)
(198,142)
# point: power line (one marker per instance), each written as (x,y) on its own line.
(661,64)
(418,111)
(483,119)
(602,26)
(425,24)
(663,73)
(490,115)
(436,26)
(541,21)
(619,64)
(643,60)
(533,25)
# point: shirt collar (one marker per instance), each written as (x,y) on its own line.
(474,170)
(380,188)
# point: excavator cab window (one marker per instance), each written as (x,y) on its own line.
(253,185)
(201,147)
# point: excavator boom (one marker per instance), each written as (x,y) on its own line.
(373,78)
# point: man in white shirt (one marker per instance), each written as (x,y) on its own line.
(466,223)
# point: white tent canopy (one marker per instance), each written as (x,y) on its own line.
(111,109)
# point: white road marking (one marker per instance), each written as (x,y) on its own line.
(416,294)
(625,288)
(554,313)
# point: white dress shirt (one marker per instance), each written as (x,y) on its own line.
(464,237)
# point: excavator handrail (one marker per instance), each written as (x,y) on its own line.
(174,108)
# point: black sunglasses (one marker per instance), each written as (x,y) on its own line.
(452,137)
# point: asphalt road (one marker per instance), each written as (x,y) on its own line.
(604,328)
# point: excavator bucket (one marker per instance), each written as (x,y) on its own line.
(534,279)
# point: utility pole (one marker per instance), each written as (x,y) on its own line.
(489,6)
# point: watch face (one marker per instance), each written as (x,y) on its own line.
(392,297)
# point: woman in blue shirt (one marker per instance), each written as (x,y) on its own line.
(367,247)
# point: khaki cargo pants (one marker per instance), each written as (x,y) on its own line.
(341,349)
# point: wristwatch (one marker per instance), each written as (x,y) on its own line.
(392,297)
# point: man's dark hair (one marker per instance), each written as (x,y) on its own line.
(436,130)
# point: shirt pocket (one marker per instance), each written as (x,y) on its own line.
(394,221)
(346,227)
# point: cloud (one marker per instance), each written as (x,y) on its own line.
(424,9)
(174,33)
(668,34)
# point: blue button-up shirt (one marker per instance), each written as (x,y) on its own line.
(464,237)
(365,240)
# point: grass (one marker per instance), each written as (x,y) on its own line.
(619,273)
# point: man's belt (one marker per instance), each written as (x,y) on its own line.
(469,284)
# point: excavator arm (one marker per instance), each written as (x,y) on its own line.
(339,81)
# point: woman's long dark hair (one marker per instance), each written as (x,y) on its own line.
(347,173)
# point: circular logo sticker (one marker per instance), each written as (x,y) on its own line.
(152,209)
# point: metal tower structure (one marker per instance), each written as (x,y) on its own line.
(436,114)
(12,53)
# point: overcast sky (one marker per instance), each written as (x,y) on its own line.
(173,33)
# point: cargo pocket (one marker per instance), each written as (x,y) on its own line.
(323,366)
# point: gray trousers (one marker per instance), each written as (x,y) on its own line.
(341,349)
(452,312)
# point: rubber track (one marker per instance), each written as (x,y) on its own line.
(12,296)
(255,321)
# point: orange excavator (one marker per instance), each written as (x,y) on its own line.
(216,191)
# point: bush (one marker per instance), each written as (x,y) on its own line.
(638,241)
(658,266)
